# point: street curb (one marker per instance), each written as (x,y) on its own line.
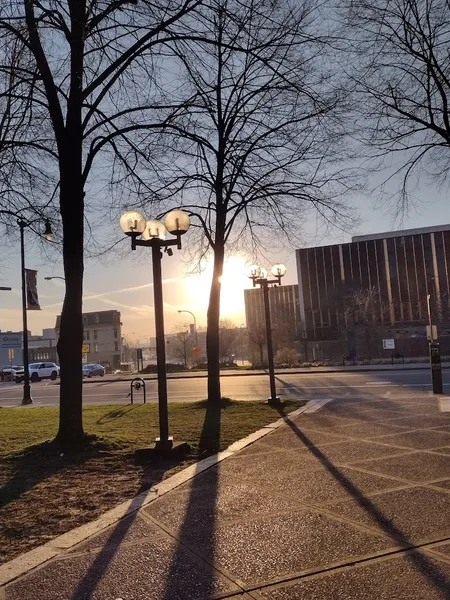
(366,369)
(25,563)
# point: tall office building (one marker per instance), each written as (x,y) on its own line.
(392,273)
(284,312)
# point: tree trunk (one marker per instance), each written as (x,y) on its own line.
(71,434)
(212,334)
(71,200)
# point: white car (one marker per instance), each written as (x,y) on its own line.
(38,371)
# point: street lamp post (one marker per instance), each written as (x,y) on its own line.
(259,277)
(435,353)
(153,233)
(195,325)
(241,329)
(22,223)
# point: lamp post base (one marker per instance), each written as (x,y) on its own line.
(164,445)
(274,401)
(27,398)
(166,450)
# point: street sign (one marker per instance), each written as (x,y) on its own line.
(389,344)
(10,354)
(11,341)
(85,348)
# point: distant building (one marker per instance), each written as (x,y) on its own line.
(43,347)
(11,340)
(40,347)
(102,337)
(285,318)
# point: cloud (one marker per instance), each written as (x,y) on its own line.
(131,289)
(102,295)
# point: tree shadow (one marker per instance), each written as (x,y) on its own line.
(154,473)
(39,462)
(117,413)
(353,408)
(435,576)
(209,444)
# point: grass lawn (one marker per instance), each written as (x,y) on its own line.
(44,494)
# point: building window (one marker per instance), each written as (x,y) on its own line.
(95,334)
(115,332)
(88,335)
(95,347)
(116,346)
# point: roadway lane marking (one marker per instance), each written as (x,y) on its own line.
(444,404)
(419,384)
(378,382)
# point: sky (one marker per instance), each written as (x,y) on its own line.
(126,284)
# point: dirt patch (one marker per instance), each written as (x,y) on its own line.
(41,501)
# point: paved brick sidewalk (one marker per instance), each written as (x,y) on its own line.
(349,503)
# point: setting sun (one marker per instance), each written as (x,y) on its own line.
(234,280)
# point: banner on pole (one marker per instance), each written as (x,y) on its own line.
(32,295)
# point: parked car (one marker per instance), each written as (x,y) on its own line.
(91,370)
(6,372)
(38,371)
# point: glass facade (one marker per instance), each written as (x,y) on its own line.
(396,270)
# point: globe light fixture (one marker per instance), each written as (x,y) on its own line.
(48,233)
(177,222)
(278,270)
(133,223)
(254,271)
(154,229)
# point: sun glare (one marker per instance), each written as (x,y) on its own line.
(234,280)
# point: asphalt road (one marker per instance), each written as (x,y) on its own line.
(243,387)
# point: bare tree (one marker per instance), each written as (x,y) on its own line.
(182,346)
(402,75)
(362,312)
(257,337)
(77,87)
(260,139)
(229,339)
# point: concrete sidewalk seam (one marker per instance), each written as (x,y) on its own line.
(360,562)
(36,557)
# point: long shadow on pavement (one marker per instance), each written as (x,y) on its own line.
(209,444)
(99,567)
(436,577)
(346,394)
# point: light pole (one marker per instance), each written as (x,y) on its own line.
(241,329)
(195,325)
(22,223)
(259,277)
(153,232)
(435,352)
